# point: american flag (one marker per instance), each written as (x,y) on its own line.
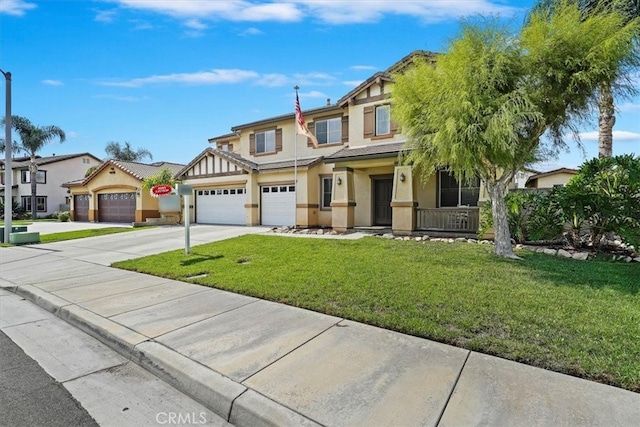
(302,128)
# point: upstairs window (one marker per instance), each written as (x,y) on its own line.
(266,142)
(329,131)
(377,122)
(41,177)
(383,120)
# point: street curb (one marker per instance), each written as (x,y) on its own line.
(203,384)
(254,409)
(228,399)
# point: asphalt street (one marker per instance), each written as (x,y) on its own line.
(31,397)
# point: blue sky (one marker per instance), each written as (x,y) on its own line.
(167,75)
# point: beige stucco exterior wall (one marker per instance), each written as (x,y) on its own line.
(555,179)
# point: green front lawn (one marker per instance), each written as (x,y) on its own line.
(81,234)
(576,317)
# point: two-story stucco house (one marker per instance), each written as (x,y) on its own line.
(53,171)
(351,179)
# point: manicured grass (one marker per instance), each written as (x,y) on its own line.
(81,234)
(576,317)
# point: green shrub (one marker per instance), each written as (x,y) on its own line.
(64,216)
(604,197)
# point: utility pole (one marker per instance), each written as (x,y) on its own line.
(8,152)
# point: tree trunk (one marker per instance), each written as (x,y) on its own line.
(502,237)
(33,169)
(606,121)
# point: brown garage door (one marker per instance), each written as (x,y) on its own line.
(117,207)
(81,207)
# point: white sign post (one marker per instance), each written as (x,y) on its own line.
(185,191)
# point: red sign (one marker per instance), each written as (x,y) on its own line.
(161,190)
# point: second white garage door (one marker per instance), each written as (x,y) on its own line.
(277,204)
(221,206)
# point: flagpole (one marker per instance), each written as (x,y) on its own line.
(295,166)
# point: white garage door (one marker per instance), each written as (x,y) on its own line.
(278,204)
(221,206)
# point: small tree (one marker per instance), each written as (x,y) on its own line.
(483,107)
(164,176)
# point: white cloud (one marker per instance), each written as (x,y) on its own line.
(363,68)
(272,80)
(50,82)
(252,31)
(139,24)
(212,77)
(195,24)
(313,79)
(618,135)
(105,16)
(628,106)
(234,10)
(333,12)
(15,7)
(71,134)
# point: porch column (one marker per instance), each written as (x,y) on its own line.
(252,201)
(403,202)
(343,199)
(93,207)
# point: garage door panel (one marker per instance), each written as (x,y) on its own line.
(278,205)
(221,206)
(117,207)
(81,207)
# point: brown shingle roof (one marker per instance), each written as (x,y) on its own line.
(137,170)
(49,159)
(367,152)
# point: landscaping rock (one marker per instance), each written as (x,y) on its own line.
(320,231)
(425,237)
(460,239)
(387,236)
(581,256)
(549,251)
(563,253)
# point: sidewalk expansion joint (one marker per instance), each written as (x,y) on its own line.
(107,369)
(292,350)
(453,389)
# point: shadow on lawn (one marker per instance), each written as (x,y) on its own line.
(196,259)
(621,277)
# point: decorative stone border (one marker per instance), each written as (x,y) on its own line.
(564,252)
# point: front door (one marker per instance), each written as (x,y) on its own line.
(382,190)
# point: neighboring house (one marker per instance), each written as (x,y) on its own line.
(113,192)
(554,178)
(521,178)
(351,180)
(53,171)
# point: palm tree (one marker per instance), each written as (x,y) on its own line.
(115,151)
(32,139)
(618,83)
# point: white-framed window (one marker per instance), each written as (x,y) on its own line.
(326,183)
(454,194)
(41,177)
(41,203)
(383,120)
(329,131)
(266,141)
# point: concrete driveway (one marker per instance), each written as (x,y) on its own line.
(108,249)
(48,227)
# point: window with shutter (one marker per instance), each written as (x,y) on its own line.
(369,121)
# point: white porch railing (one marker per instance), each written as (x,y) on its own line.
(448,219)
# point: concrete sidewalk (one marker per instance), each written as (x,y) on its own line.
(255,362)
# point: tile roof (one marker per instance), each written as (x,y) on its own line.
(367,151)
(135,169)
(24,162)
